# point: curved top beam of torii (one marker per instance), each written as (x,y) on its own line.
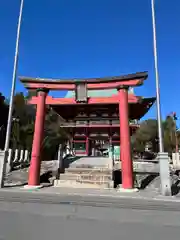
(130,80)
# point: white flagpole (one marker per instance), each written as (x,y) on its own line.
(9,123)
(159,118)
(8,132)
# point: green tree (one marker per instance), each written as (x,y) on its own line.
(3,119)
(23,123)
(169,127)
(23,127)
(53,134)
(146,134)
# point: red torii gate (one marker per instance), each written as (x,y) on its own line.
(121,83)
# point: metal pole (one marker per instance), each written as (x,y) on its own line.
(4,154)
(9,123)
(177,144)
(176,136)
(159,118)
(162,156)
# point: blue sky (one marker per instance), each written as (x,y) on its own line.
(82,38)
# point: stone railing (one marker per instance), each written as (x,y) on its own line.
(17,159)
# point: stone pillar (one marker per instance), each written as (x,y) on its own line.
(110,148)
(60,167)
(125,144)
(9,161)
(111,163)
(35,164)
(87,146)
(68,147)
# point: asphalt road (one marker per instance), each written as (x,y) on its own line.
(66,220)
(92,200)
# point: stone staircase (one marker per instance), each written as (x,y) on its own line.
(94,178)
(87,171)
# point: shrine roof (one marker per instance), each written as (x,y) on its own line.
(136,110)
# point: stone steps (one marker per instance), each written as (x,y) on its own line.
(82,176)
(88,170)
(138,167)
(92,162)
(69,176)
(74,184)
(98,178)
(75,176)
(89,181)
(83,184)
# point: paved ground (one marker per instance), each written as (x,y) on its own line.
(68,213)
(64,217)
(91,197)
(152,193)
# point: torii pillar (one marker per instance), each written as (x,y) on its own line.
(35,164)
(125,143)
